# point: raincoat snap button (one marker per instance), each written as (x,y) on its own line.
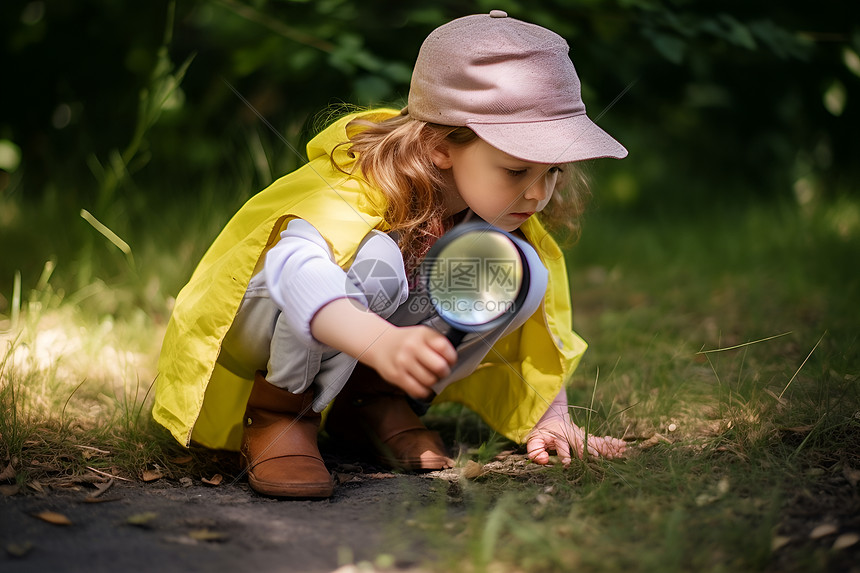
(498,14)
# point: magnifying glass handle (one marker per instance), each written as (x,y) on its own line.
(455,336)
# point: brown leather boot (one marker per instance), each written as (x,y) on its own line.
(279,444)
(371,412)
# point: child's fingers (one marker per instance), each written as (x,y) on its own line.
(566,438)
(435,364)
(536,450)
(414,388)
(562,448)
(409,356)
(443,347)
(425,375)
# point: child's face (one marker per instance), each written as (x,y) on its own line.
(499,188)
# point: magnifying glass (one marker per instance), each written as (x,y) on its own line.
(476,277)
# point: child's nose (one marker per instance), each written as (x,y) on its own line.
(538,190)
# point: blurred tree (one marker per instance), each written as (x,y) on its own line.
(724,99)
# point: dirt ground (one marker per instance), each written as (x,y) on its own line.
(181,523)
(187,525)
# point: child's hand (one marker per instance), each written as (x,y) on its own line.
(557,433)
(411,357)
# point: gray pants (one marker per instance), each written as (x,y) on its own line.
(261,339)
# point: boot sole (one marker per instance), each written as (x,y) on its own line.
(298,490)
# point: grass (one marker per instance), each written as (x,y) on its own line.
(77,359)
(723,346)
(726,347)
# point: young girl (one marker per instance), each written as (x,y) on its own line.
(310,291)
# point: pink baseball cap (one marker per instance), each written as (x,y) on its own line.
(513,84)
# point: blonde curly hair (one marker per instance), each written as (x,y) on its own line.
(394,155)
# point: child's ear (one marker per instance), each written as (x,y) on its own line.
(441,156)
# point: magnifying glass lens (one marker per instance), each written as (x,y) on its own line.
(475,278)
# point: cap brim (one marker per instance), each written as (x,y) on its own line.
(565,140)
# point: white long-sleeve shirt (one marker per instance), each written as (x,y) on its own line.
(301,275)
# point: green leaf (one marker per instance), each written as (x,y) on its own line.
(736,33)
(670,47)
(785,44)
(142,519)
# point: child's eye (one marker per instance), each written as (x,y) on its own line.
(555,169)
(515,172)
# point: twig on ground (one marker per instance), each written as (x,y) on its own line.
(108,475)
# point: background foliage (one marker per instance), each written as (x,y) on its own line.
(128,110)
(716,280)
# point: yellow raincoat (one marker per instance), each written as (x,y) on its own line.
(198,400)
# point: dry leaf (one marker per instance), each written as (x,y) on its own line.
(206,535)
(775,396)
(100,489)
(9,490)
(35,486)
(214,480)
(8,474)
(347,478)
(53,517)
(653,441)
(845,540)
(19,549)
(778,542)
(180,460)
(473,470)
(100,499)
(852,475)
(152,475)
(800,429)
(141,519)
(823,530)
